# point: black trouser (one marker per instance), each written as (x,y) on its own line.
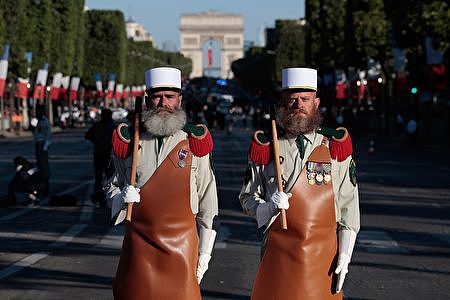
(100,165)
(42,163)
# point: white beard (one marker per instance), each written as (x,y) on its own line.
(160,123)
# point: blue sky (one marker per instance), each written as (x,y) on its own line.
(161,18)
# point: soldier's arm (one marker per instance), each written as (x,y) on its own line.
(207,193)
(348,196)
(113,187)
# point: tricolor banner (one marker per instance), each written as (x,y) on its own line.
(74,84)
(56,85)
(119,92)
(98,85)
(22,88)
(4,70)
(41,82)
(64,87)
(126,92)
(341,86)
(111,84)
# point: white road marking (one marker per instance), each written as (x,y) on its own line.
(376,241)
(29,260)
(222,235)
(114,238)
(67,237)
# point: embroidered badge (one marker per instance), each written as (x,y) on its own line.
(182,154)
(352,172)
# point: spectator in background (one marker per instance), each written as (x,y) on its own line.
(100,134)
(42,138)
(411,131)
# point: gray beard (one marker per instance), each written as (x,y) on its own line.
(295,124)
(160,124)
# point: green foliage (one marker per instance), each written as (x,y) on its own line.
(257,68)
(141,56)
(38,36)
(368,32)
(326,21)
(78,60)
(16,34)
(436,16)
(138,60)
(46,28)
(345,33)
(105,45)
(290,46)
(2,29)
(66,51)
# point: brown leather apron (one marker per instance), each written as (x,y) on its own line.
(160,248)
(299,263)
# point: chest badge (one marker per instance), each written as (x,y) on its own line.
(318,173)
(182,154)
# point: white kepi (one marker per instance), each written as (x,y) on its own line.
(299,78)
(163,77)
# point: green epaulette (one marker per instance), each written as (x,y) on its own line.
(194,129)
(338,133)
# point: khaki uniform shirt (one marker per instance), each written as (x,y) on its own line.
(262,181)
(203,196)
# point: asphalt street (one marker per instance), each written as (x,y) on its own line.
(402,251)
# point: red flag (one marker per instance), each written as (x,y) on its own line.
(209,56)
(54,93)
(39,92)
(21,89)
(341,91)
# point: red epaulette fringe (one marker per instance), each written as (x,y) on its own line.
(120,142)
(341,148)
(259,152)
(201,145)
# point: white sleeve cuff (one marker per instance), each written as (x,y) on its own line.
(206,240)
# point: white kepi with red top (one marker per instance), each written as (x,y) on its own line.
(299,78)
(163,77)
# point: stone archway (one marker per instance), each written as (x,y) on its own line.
(196,29)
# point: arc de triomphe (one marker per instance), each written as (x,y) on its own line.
(226,28)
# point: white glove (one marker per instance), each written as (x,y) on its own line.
(281,199)
(347,240)
(130,194)
(202,266)
(206,244)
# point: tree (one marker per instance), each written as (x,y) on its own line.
(16,34)
(105,44)
(67,38)
(290,45)
(367,32)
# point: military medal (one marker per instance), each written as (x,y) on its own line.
(182,154)
(318,173)
(319,178)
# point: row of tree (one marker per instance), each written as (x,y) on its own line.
(342,34)
(76,42)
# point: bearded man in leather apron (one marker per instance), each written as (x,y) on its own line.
(310,259)
(162,255)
